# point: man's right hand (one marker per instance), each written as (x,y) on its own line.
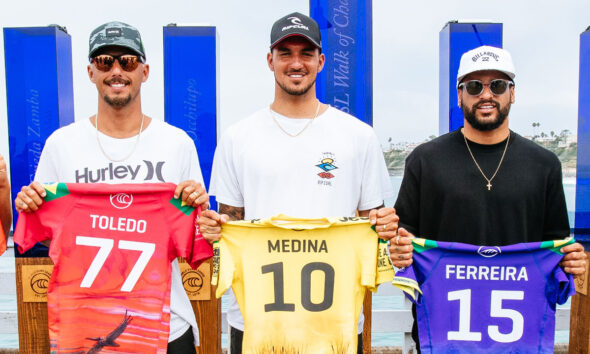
(210,225)
(30,198)
(400,248)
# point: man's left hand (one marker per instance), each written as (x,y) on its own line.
(574,260)
(385,221)
(192,193)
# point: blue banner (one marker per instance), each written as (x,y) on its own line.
(39,96)
(455,39)
(346,81)
(582,220)
(190,88)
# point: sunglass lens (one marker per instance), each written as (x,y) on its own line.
(474,87)
(104,62)
(128,62)
(498,87)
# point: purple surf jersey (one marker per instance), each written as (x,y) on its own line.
(486,299)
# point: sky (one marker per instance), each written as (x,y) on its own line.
(542,36)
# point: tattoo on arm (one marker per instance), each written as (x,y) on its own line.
(234,213)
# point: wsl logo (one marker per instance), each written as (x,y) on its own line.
(121,200)
(145,172)
(489,252)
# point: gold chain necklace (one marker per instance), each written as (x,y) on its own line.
(489,185)
(132,150)
(317,111)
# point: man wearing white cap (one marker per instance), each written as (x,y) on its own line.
(483,184)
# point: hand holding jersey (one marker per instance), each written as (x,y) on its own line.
(384,219)
(506,210)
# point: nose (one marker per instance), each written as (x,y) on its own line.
(296,63)
(487,92)
(116,69)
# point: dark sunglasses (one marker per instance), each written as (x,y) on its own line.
(105,62)
(475,87)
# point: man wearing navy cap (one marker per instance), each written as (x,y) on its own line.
(298,157)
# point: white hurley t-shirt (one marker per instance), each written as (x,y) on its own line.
(163,154)
(332,168)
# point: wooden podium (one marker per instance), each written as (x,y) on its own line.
(32,278)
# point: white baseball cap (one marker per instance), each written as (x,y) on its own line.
(485,58)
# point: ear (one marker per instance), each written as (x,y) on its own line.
(322,62)
(459,97)
(512,96)
(269,61)
(91,74)
(146,72)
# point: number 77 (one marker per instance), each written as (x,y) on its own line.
(105,246)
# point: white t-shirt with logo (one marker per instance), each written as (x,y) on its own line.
(333,168)
(164,154)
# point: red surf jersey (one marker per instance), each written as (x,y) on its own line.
(112,246)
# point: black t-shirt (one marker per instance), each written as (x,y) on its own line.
(444,197)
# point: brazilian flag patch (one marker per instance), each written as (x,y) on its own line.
(421,244)
(55,191)
(182,206)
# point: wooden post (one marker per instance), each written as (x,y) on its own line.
(33,334)
(367,308)
(579,315)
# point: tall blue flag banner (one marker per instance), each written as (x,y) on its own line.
(582,220)
(346,81)
(190,88)
(39,94)
(455,39)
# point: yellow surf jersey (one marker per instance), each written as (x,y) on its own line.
(300,283)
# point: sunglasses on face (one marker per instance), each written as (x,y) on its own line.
(105,62)
(475,87)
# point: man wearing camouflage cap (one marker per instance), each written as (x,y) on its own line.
(120,144)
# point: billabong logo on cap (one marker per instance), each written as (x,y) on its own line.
(489,252)
(296,23)
(485,56)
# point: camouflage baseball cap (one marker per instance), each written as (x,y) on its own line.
(116,34)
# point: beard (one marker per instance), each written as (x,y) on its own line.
(297,91)
(117,102)
(482,125)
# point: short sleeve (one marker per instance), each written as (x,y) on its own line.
(556,223)
(224,179)
(407,204)
(42,224)
(46,172)
(188,242)
(193,167)
(376,185)
(560,287)
(223,268)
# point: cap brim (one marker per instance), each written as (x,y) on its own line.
(101,46)
(509,74)
(272,45)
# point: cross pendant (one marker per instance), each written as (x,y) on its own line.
(489,185)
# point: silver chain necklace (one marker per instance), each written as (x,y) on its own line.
(489,185)
(132,150)
(272,114)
